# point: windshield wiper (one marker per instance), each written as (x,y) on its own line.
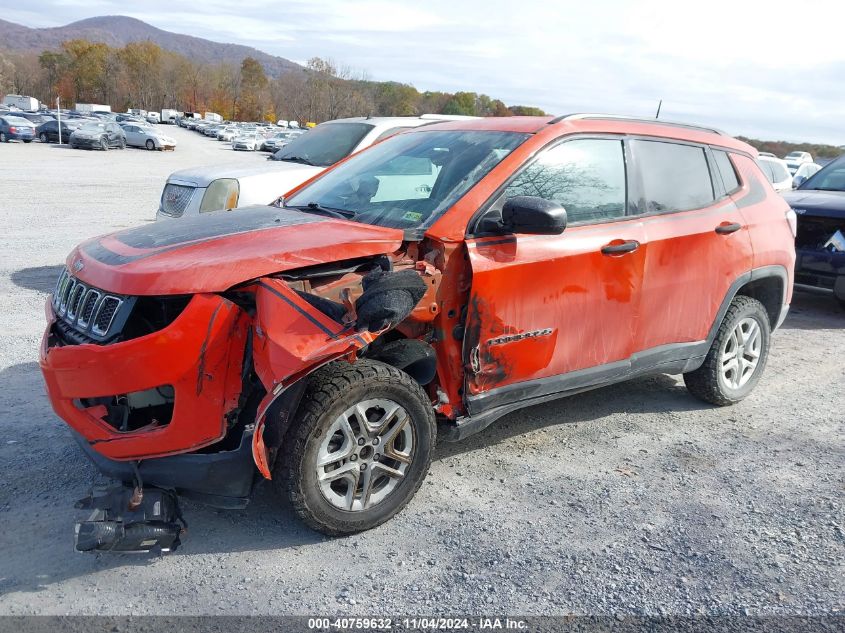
(298,159)
(343,214)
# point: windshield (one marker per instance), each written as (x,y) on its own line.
(829,178)
(408,180)
(325,144)
(16,120)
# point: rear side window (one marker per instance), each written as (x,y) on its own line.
(726,170)
(586,176)
(675,177)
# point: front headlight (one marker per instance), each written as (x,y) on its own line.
(221,194)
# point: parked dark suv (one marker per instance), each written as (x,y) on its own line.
(819,204)
(454,273)
(48,132)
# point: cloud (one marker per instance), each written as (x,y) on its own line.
(751,69)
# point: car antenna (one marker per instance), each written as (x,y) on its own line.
(659,105)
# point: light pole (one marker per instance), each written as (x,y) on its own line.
(59,115)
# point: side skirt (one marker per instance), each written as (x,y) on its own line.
(486,408)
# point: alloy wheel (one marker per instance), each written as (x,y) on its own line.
(740,354)
(365,454)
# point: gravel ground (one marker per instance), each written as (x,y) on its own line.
(633,499)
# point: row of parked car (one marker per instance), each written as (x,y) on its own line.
(246,136)
(102,131)
(790,172)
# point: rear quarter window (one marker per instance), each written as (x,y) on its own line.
(727,171)
(675,177)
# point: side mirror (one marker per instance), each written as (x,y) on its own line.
(533,215)
(798,181)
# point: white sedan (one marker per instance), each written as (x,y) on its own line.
(249,142)
(145,136)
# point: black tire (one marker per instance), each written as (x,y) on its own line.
(42,137)
(104,144)
(29,141)
(3,138)
(330,392)
(122,143)
(150,144)
(707,382)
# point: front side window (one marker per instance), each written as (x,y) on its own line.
(586,176)
(408,180)
(325,145)
(675,177)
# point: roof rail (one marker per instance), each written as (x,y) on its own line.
(620,117)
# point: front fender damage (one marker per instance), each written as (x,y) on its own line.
(293,338)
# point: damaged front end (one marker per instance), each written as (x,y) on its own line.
(191,395)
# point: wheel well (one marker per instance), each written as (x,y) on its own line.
(769,292)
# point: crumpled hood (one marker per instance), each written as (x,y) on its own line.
(216,252)
(828,204)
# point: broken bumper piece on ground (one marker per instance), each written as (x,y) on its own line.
(126,519)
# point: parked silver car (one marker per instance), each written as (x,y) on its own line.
(146,136)
(250,141)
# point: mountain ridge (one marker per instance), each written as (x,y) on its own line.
(119,30)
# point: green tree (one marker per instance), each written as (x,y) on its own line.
(253,86)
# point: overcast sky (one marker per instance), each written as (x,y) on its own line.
(774,69)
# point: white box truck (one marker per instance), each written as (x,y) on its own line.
(169,116)
(21,102)
(213,117)
(88,108)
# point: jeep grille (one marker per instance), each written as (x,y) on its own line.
(89,311)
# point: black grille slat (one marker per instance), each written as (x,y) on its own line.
(106,314)
(88,305)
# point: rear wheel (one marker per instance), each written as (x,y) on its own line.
(150,144)
(358,449)
(737,357)
(42,137)
(122,143)
(29,141)
(104,144)
(3,138)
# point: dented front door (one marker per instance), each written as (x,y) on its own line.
(545,306)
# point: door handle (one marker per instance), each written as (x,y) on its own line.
(728,227)
(620,248)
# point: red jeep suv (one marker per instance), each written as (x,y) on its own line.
(452,273)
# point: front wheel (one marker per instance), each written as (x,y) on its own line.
(104,144)
(3,138)
(358,448)
(42,137)
(150,144)
(737,357)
